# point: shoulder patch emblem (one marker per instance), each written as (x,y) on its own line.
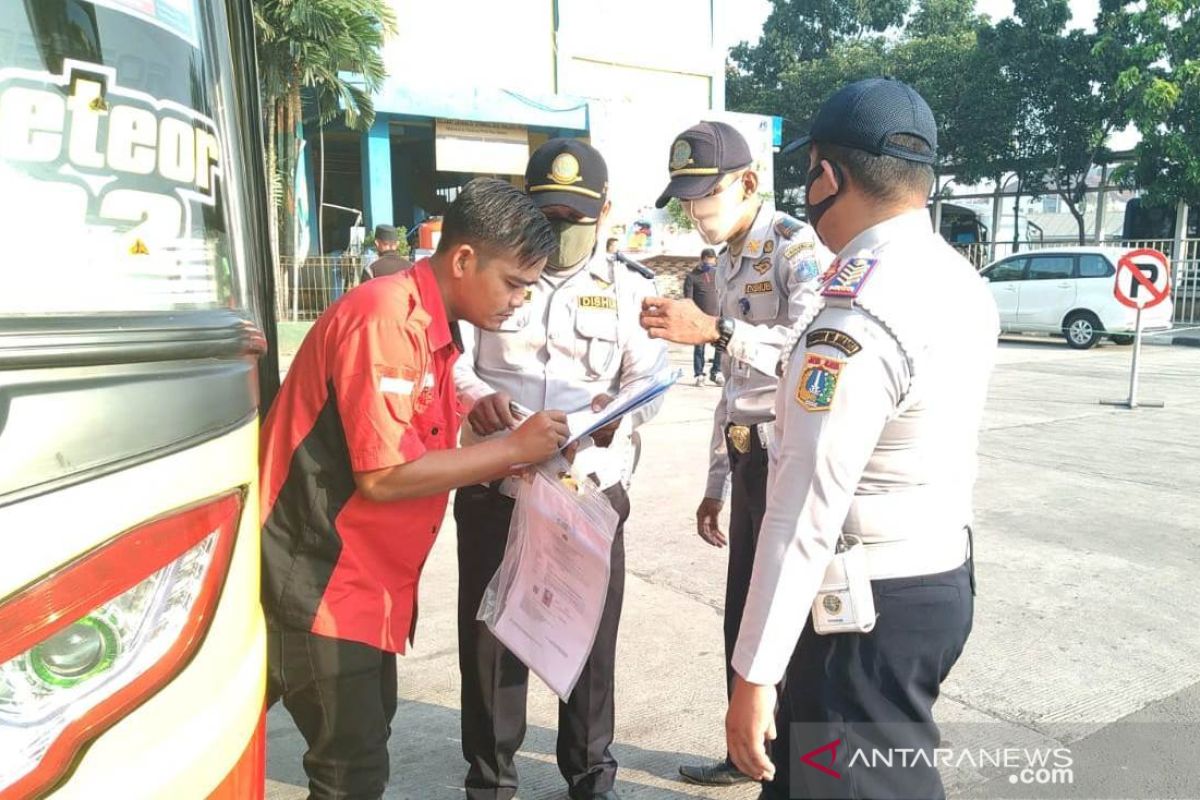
(838,340)
(796,248)
(762,287)
(818,382)
(787,227)
(769,247)
(762,265)
(807,269)
(849,279)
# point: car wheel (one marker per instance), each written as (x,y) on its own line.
(1122,340)
(1082,329)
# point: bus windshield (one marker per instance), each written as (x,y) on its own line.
(114,194)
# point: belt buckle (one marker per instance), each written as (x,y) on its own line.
(739,436)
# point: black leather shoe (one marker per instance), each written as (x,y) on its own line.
(722,773)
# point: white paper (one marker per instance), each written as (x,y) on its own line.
(585,422)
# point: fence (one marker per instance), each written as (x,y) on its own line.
(1185,265)
(305,287)
(320,281)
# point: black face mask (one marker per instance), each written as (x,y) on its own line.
(814,211)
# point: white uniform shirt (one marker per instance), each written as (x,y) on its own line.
(763,291)
(571,340)
(877,423)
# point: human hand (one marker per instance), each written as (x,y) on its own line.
(707,516)
(539,437)
(492,414)
(679,321)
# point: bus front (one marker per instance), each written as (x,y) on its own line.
(131,311)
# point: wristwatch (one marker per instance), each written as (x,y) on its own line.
(724,332)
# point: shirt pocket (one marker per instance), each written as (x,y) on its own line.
(596,331)
(762,305)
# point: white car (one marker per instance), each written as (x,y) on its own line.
(1068,291)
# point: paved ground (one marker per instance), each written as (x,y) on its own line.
(1088,556)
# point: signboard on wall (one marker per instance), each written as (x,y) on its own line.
(480,147)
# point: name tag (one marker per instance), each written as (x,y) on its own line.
(599,301)
(762,287)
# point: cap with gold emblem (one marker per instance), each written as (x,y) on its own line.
(568,172)
(700,156)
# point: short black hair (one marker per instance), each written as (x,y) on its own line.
(884,177)
(611,240)
(708,252)
(494,216)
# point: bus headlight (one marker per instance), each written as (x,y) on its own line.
(83,647)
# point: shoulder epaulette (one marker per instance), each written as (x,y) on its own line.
(638,267)
(848,281)
(788,226)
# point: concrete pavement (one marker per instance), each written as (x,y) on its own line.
(1088,555)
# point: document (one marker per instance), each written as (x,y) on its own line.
(546,600)
(585,422)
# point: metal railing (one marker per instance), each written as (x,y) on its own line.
(305,287)
(1185,265)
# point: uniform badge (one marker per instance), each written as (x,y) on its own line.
(762,287)
(796,248)
(744,305)
(528,295)
(849,279)
(762,265)
(603,284)
(564,169)
(681,154)
(806,269)
(739,437)
(832,603)
(598,301)
(753,247)
(838,340)
(818,382)
(769,247)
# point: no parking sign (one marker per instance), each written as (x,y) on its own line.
(1143,278)
(1143,281)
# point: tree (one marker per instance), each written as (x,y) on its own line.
(1158,44)
(314,45)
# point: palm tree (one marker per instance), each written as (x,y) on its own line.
(331,47)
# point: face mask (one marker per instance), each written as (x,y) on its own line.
(576,241)
(814,211)
(717,215)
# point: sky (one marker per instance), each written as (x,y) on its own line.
(746,24)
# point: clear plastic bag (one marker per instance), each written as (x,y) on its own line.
(545,601)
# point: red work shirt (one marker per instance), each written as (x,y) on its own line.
(371,387)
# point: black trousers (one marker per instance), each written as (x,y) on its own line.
(747,504)
(494,681)
(873,692)
(342,697)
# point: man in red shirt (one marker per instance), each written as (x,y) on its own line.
(358,458)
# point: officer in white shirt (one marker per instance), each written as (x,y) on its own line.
(863,585)
(766,276)
(576,342)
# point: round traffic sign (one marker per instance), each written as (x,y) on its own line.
(1143,278)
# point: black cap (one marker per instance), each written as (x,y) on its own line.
(386,233)
(866,113)
(568,172)
(700,157)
